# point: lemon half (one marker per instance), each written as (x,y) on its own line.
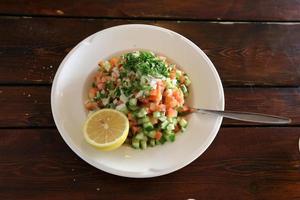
(106,129)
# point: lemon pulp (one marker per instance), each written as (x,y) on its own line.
(106,129)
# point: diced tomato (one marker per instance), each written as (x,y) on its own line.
(158,135)
(144,101)
(105,78)
(159,96)
(155,95)
(170,102)
(152,107)
(153,92)
(171,112)
(91,105)
(178,96)
(168,99)
(167,93)
(161,107)
(173,103)
(135,129)
(92,92)
(100,86)
(114,61)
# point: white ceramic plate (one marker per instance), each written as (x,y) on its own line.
(69,92)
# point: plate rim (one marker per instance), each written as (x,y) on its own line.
(196,154)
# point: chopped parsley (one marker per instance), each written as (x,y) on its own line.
(145,63)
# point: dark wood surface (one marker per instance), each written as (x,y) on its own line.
(242,163)
(272,10)
(255,47)
(261,54)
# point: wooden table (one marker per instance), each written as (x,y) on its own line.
(255,47)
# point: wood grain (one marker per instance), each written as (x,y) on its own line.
(30,106)
(244,54)
(260,163)
(271,10)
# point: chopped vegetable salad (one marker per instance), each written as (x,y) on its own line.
(149,90)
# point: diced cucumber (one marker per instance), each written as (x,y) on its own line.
(178,74)
(162,140)
(132,102)
(106,65)
(162,118)
(109,85)
(183,89)
(135,143)
(143,120)
(140,121)
(156,115)
(145,137)
(105,101)
(152,142)
(183,123)
(143,144)
(142,113)
(122,108)
(123,97)
(143,80)
(172,66)
(187,81)
(148,126)
(172,138)
(169,83)
(133,108)
(169,136)
(164,125)
(171,120)
(151,134)
(170,127)
(139,136)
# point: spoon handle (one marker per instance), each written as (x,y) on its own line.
(247,116)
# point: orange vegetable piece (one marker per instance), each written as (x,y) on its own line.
(92,92)
(171,112)
(158,135)
(114,61)
(91,105)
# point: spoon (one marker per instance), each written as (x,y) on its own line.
(244,116)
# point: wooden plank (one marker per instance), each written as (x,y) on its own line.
(30,106)
(244,54)
(168,9)
(274,101)
(25,107)
(243,163)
